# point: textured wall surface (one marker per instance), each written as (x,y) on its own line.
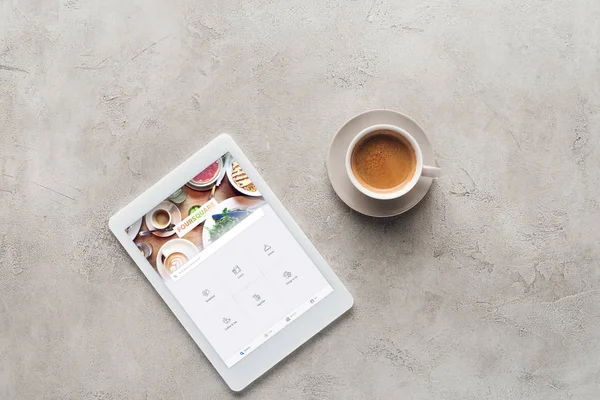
(489,289)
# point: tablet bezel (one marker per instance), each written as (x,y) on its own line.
(284,342)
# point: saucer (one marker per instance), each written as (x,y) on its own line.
(336,164)
(175,218)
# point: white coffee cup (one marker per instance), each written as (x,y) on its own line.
(421,170)
(161,218)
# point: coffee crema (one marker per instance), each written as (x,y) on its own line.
(383,162)
(160,218)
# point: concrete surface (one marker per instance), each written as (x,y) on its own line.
(489,289)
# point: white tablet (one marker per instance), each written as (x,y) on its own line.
(230,262)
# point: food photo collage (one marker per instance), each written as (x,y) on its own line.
(195,216)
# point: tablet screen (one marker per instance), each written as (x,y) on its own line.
(229,260)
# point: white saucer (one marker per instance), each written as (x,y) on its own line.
(336,164)
(175,218)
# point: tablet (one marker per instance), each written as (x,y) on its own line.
(230,262)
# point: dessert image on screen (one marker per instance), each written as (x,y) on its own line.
(195,216)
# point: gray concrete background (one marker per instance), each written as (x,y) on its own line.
(489,289)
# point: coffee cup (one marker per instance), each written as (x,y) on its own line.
(161,218)
(385,162)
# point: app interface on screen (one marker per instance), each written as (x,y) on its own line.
(229,260)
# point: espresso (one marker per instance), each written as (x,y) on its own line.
(383,162)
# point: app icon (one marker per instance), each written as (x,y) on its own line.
(268,250)
(256,297)
(226,320)
(205,292)
(236,270)
(287,274)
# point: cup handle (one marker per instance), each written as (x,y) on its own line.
(431,172)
